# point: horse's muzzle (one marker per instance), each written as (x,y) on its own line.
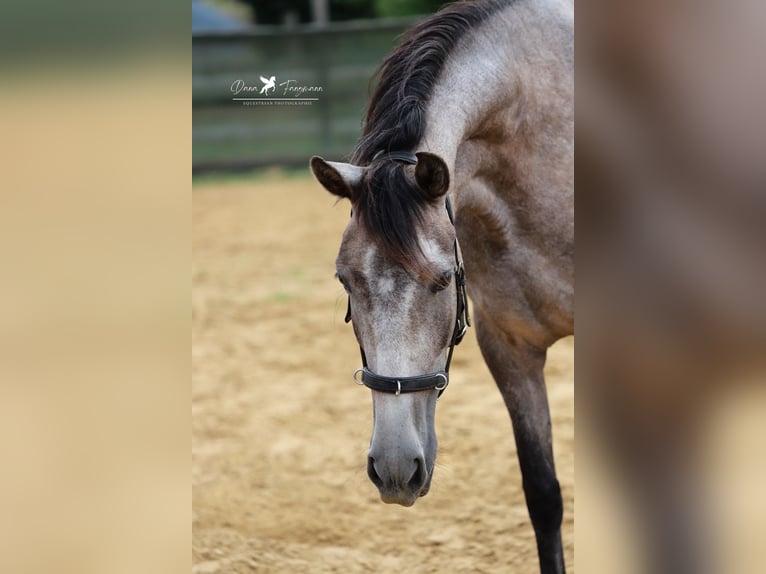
(400,480)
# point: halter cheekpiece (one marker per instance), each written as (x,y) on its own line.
(432,381)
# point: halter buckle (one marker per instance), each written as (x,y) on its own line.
(398,387)
(461,334)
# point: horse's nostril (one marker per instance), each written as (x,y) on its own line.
(372,473)
(419,476)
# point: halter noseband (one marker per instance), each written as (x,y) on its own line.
(440,379)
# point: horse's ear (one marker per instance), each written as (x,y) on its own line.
(432,174)
(337,178)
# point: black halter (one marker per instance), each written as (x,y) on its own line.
(440,379)
(405,156)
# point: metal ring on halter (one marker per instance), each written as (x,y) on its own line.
(446,382)
(398,388)
(357,381)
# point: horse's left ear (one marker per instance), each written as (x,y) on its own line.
(432,174)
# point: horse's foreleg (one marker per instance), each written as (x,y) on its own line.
(518,372)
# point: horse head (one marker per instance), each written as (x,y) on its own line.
(398,262)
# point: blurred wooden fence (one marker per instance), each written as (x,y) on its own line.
(341,58)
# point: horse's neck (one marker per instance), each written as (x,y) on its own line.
(484,112)
(501,116)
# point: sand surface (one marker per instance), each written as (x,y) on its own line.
(280,432)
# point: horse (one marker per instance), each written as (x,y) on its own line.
(462,182)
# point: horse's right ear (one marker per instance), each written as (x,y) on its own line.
(432,174)
(337,178)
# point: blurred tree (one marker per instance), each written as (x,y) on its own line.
(351,9)
(392,8)
(270,12)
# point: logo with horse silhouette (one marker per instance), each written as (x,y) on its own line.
(271,92)
(268,85)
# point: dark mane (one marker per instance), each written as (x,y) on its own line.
(389,202)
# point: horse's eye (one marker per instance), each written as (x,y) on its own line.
(442,283)
(340,278)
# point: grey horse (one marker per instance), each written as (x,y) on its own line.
(466,159)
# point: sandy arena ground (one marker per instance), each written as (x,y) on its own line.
(280,432)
